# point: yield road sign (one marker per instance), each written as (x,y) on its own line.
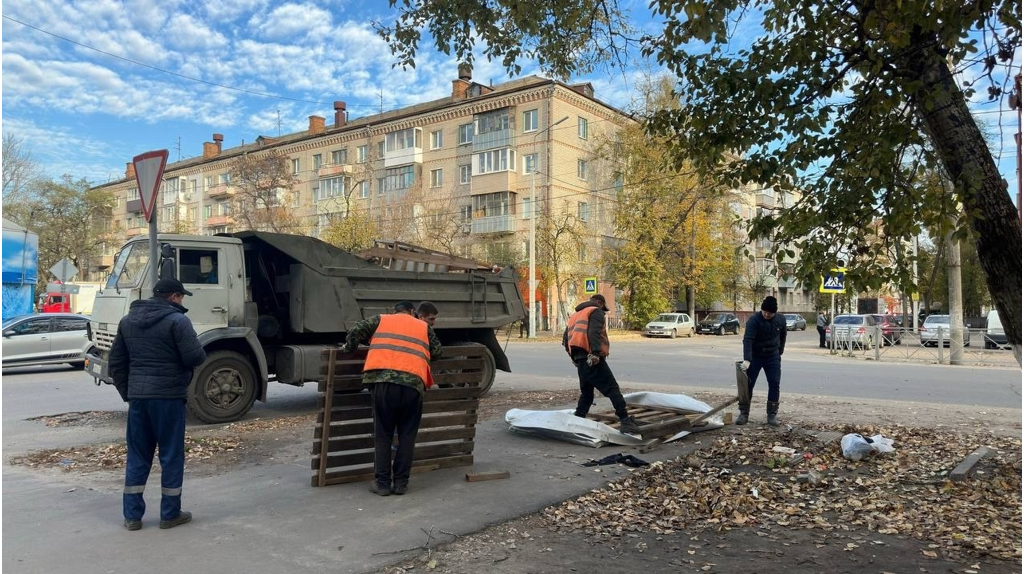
(149,171)
(834,282)
(590,285)
(64,270)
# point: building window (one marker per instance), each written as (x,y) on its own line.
(583,128)
(339,157)
(133,194)
(296,166)
(318,160)
(530,121)
(436,177)
(527,208)
(223,208)
(364,189)
(494,204)
(363,154)
(436,139)
(465,172)
(207,211)
(396,178)
(581,169)
(466,214)
(495,160)
(331,187)
(583,211)
(465,134)
(495,121)
(224,178)
(530,163)
(208,182)
(381,147)
(402,139)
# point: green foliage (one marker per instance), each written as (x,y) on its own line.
(353,232)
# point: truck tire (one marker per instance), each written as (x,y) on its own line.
(489,368)
(224,388)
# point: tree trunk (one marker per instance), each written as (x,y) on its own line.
(976,179)
(956,312)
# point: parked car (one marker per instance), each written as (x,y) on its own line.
(995,336)
(890,328)
(719,324)
(670,325)
(795,322)
(930,331)
(855,330)
(49,339)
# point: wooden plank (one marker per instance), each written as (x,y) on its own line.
(329,394)
(357,475)
(707,415)
(461,379)
(338,445)
(366,427)
(966,468)
(482,476)
(348,413)
(424,452)
(665,409)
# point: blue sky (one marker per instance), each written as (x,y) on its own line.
(85,113)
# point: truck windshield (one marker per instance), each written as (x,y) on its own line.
(130,266)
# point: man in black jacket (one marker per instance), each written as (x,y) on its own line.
(586,341)
(763,344)
(151,363)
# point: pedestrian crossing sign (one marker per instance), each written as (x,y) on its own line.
(590,285)
(834,282)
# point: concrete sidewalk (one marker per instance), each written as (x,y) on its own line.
(267,518)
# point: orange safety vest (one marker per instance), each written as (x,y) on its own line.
(400,343)
(578,325)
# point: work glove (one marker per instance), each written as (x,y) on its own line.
(745,366)
(593,360)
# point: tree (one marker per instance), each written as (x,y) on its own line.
(561,252)
(21,174)
(353,231)
(845,100)
(264,190)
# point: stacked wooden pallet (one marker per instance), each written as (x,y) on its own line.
(343,439)
(659,422)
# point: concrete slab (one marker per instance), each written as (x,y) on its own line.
(266,518)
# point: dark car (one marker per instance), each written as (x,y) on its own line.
(719,324)
(890,328)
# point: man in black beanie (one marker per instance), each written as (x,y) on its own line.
(763,344)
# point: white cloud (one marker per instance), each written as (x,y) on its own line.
(188,33)
(292,21)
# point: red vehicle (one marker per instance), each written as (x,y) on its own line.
(890,329)
(54,303)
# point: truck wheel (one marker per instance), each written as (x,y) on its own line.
(489,368)
(224,388)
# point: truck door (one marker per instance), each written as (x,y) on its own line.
(203,272)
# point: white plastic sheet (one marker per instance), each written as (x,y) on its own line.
(564,425)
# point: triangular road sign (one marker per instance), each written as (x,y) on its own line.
(149,172)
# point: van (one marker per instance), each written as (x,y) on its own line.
(995,337)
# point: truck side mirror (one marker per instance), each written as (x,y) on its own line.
(167,263)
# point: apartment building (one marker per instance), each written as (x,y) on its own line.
(456,173)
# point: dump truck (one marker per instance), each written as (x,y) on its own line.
(266,306)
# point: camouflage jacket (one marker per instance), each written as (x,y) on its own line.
(361,334)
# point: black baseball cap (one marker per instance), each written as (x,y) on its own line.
(169,287)
(404,306)
(600,298)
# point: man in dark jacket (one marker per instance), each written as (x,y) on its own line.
(586,341)
(151,363)
(821,324)
(763,344)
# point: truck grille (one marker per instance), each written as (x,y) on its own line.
(103,340)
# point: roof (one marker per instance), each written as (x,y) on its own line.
(12,226)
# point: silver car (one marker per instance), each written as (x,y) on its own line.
(930,331)
(795,322)
(670,325)
(851,330)
(45,339)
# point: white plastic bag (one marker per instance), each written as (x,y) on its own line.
(856,447)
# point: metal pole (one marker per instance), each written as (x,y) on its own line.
(154,257)
(832,321)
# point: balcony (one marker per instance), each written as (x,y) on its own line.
(403,156)
(493,140)
(220,190)
(133,231)
(218,220)
(133,206)
(105,261)
(494,224)
(787,283)
(335,169)
(494,182)
(764,200)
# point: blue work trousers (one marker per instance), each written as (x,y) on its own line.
(772,367)
(155,423)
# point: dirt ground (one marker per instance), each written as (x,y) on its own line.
(733,506)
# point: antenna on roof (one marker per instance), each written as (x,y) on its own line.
(178,148)
(382,100)
(278,123)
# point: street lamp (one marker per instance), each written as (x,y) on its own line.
(533,231)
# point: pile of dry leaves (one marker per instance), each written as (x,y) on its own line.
(112,456)
(744,480)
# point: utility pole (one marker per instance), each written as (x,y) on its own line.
(956,311)
(691,305)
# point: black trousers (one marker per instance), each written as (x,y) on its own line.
(821,337)
(395,408)
(598,377)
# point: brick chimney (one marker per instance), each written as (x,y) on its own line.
(129,170)
(461,86)
(339,114)
(219,140)
(316,125)
(213,149)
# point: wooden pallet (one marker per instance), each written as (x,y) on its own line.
(659,422)
(344,453)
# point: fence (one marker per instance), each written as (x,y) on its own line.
(909,344)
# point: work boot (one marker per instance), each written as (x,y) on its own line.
(183,517)
(577,414)
(773,411)
(627,425)
(744,414)
(380,489)
(400,488)
(132,524)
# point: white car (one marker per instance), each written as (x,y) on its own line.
(670,325)
(930,331)
(45,339)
